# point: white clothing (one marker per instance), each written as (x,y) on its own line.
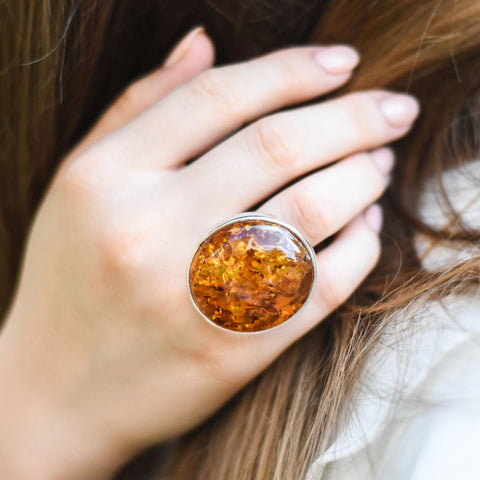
(416,415)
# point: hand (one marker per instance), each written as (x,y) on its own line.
(103,352)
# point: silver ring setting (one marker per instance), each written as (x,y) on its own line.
(251,274)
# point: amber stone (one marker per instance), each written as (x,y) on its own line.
(251,274)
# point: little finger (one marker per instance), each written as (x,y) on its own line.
(342,266)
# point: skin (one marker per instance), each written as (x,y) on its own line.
(103,353)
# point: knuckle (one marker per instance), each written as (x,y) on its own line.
(126,99)
(370,173)
(363,117)
(78,180)
(131,99)
(290,68)
(275,145)
(219,87)
(88,176)
(222,366)
(122,247)
(312,220)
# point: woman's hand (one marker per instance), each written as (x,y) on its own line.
(103,352)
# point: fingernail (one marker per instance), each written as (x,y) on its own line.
(384,159)
(373,217)
(182,47)
(400,110)
(338,59)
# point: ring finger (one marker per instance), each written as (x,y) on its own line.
(321,204)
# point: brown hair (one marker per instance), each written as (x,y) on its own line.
(62,62)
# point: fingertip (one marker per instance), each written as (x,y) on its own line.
(373,217)
(182,47)
(193,54)
(201,54)
(362,233)
(337,59)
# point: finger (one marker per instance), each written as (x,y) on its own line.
(321,204)
(268,154)
(192,55)
(342,266)
(219,101)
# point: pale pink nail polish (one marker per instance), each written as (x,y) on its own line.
(384,159)
(374,217)
(182,47)
(400,110)
(338,59)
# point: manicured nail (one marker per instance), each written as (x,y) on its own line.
(400,110)
(384,159)
(374,217)
(182,47)
(338,59)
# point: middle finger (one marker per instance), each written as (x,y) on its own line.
(266,155)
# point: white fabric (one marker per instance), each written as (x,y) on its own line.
(417,413)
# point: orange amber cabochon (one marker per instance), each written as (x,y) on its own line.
(251,274)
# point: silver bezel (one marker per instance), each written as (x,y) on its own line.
(255,216)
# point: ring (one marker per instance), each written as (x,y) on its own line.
(251,274)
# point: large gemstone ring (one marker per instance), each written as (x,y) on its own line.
(251,274)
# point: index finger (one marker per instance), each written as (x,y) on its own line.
(219,101)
